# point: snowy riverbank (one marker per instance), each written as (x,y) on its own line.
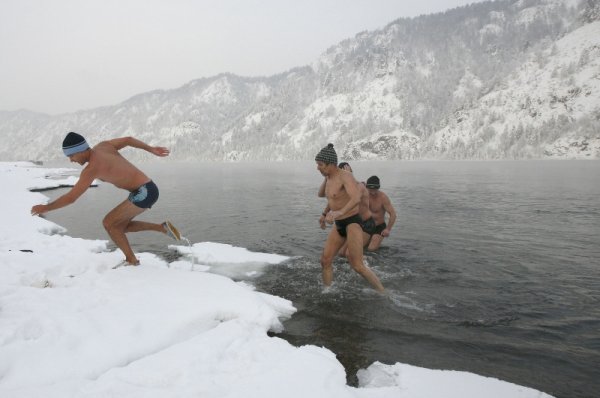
(71,326)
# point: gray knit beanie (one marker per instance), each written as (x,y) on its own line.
(327,155)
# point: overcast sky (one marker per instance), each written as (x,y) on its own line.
(59,56)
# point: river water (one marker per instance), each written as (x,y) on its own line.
(492,267)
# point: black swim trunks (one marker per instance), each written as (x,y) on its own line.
(342,224)
(368,226)
(379,229)
(145,196)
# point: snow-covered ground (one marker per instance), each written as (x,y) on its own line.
(71,326)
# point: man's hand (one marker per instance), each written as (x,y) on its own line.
(385,233)
(322,221)
(160,151)
(38,210)
(332,215)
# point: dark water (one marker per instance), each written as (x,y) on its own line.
(492,267)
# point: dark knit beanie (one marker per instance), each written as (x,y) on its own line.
(373,182)
(74,143)
(327,155)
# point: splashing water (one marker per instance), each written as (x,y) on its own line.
(191,251)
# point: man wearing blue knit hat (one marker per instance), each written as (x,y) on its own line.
(104,162)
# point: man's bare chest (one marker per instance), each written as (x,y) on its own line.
(335,191)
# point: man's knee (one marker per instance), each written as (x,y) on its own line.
(357,264)
(326,261)
(107,223)
(375,243)
(355,258)
(110,224)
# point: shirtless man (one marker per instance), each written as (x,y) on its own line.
(368,223)
(379,203)
(343,198)
(106,163)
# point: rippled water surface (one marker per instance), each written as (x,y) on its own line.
(492,267)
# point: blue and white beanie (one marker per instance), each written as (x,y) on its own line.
(74,143)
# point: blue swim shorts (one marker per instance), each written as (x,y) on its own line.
(145,196)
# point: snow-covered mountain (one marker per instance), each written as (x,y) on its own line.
(492,80)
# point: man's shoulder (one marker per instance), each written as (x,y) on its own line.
(103,144)
(385,199)
(379,197)
(382,195)
(335,176)
(105,147)
(90,170)
(346,176)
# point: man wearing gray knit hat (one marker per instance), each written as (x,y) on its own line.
(104,162)
(327,155)
(343,198)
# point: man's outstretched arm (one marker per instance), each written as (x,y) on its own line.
(85,180)
(123,142)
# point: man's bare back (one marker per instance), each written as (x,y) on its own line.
(107,164)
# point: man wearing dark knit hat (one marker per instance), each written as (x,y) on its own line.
(368,223)
(104,162)
(379,204)
(343,198)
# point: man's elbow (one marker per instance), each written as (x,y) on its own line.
(123,142)
(127,141)
(69,199)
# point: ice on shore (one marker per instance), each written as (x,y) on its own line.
(71,326)
(228,260)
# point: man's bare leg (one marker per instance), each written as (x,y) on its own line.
(366,239)
(116,222)
(139,226)
(355,256)
(166,228)
(344,252)
(332,246)
(375,243)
